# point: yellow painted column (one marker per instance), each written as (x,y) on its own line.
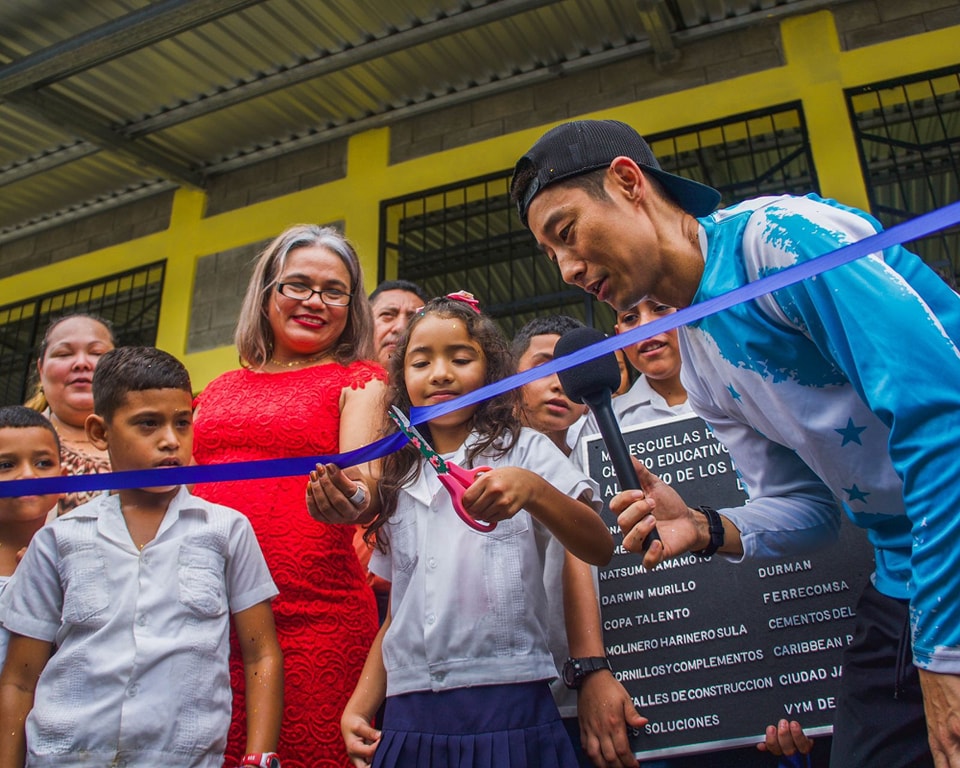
(180,245)
(368,155)
(812,50)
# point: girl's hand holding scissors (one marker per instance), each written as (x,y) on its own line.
(498,494)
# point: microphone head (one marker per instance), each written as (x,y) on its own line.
(582,383)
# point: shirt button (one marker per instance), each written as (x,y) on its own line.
(431,618)
(142,620)
(133,690)
(432,562)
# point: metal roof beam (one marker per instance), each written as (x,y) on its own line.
(494,10)
(541,74)
(653,16)
(46,161)
(115,38)
(76,119)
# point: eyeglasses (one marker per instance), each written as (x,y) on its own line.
(329,296)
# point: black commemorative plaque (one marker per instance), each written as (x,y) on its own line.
(713,651)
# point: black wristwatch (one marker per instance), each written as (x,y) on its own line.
(576,670)
(716,532)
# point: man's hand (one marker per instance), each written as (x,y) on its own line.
(605,712)
(661,506)
(941,703)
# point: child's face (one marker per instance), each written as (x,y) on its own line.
(27,453)
(150,429)
(443,361)
(657,357)
(545,406)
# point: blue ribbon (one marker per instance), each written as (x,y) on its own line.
(914,229)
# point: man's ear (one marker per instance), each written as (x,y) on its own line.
(626,177)
(96,428)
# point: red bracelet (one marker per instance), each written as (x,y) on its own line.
(261,760)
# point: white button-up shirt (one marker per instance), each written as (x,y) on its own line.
(469,608)
(140,673)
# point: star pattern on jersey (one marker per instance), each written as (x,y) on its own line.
(855,494)
(850,433)
(733,393)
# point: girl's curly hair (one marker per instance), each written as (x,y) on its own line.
(494,420)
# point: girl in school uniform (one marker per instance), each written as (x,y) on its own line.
(463,658)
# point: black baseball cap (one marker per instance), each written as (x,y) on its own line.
(586,145)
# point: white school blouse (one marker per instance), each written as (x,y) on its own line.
(468,607)
(140,674)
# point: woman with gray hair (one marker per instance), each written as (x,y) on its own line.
(305,387)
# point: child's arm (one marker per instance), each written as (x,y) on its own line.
(263,670)
(359,736)
(502,492)
(604,708)
(26,658)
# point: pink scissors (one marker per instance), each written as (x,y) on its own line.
(455,479)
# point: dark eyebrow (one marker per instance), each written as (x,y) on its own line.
(449,348)
(553,218)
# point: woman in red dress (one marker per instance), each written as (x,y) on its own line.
(305,388)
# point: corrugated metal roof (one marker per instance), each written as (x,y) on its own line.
(105,96)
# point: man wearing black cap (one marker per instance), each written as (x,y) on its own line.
(843,386)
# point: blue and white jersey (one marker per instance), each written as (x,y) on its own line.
(845,385)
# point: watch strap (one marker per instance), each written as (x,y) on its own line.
(716,532)
(576,670)
(261,760)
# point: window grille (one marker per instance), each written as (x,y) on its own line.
(908,134)
(129,300)
(467,236)
(765,152)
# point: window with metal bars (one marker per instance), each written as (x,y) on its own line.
(468,236)
(766,152)
(129,300)
(908,132)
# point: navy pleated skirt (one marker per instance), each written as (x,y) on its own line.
(490,726)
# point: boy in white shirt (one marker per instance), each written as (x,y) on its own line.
(29,449)
(120,610)
(595,707)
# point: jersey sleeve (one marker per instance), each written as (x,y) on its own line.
(890,324)
(790,509)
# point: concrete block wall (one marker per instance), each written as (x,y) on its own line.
(867,22)
(218,288)
(701,62)
(91,233)
(277,176)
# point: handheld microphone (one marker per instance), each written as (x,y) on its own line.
(593,383)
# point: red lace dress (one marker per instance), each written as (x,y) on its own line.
(325,613)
